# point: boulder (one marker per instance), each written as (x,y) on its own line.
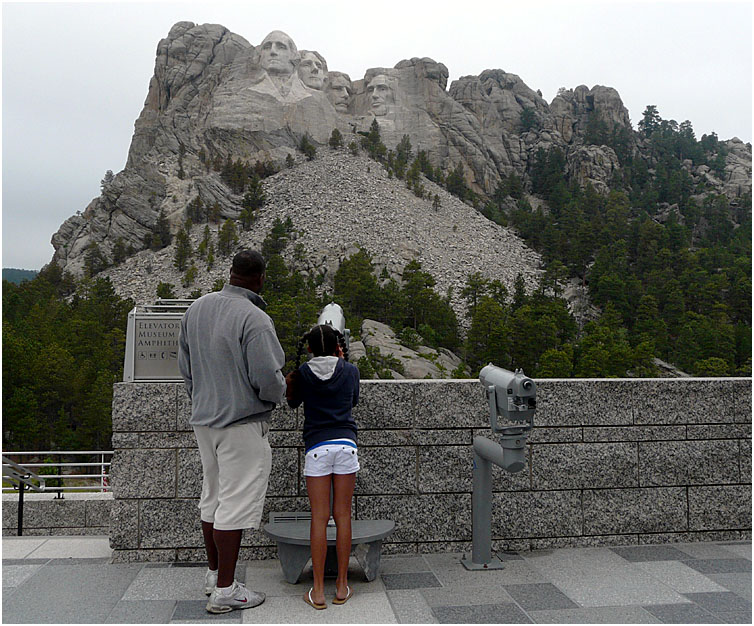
(594,165)
(423,362)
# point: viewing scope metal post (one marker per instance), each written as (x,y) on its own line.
(512,399)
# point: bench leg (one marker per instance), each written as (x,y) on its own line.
(368,556)
(331,562)
(293,559)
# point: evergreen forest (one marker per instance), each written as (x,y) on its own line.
(666,265)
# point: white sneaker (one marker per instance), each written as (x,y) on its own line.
(210,582)
(239,597)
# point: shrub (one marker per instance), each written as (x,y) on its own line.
(165,291)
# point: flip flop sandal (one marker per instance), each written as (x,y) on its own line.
(312,603)
(337,600)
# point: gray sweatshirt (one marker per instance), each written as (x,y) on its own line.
(230,359)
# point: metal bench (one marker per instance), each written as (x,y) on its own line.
(291,533)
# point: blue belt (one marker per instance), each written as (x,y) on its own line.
(332,442)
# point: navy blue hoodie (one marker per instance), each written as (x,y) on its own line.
(327,403)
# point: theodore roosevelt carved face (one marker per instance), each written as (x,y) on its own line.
(339,90)
(278,54)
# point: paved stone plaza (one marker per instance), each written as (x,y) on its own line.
(71,580)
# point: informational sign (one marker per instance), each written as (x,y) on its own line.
(152,342)
(156,349)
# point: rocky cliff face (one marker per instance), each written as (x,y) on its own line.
(215,96)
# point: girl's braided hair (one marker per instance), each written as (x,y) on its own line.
(322,340)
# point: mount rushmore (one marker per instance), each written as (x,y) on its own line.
(216,96)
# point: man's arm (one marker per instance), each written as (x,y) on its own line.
(293,393)
(184,360)
(265,359)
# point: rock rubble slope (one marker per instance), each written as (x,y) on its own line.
(339,202)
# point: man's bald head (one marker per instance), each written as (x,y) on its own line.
(247,270)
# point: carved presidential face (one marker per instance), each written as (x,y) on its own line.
(380,95)
(312,70)
(339,91)
(277,53)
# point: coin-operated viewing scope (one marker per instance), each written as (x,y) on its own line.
(512,396)
(512,400)
(333,315)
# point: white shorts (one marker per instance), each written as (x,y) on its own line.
(331,457)
(236,464)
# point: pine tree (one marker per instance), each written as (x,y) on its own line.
(162,229)
(456,183)
(254,197)
(196,211)
(336,139)
(190,276)
(307,147)
(120,252)
(528,120)
(94,260)
(227,238)
(182,250)
(165,291)
(372,142)
(204,244)
(650,121)
(355,287)
(214,213)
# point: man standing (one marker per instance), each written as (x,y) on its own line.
(230,359)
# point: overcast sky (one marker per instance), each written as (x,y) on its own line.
(75,75)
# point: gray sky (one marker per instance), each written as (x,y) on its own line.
(75,75)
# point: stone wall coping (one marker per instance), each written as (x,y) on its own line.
(13,497)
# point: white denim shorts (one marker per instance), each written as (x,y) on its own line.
(332,457)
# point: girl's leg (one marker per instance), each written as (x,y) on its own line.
(318,488)
(343,485)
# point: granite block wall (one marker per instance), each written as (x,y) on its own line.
(76,514)
(609,462)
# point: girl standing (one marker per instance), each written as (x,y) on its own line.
(328,386)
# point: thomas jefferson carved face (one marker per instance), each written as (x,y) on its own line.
(380,95)
(278,53)
(312,70)
(339,91)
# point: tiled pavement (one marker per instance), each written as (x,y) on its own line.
(70,580)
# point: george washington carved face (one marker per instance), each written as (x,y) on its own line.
(278,54)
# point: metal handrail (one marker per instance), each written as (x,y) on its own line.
(61,452)
(23,479)
(21,476)
(103,476)
(65,464)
